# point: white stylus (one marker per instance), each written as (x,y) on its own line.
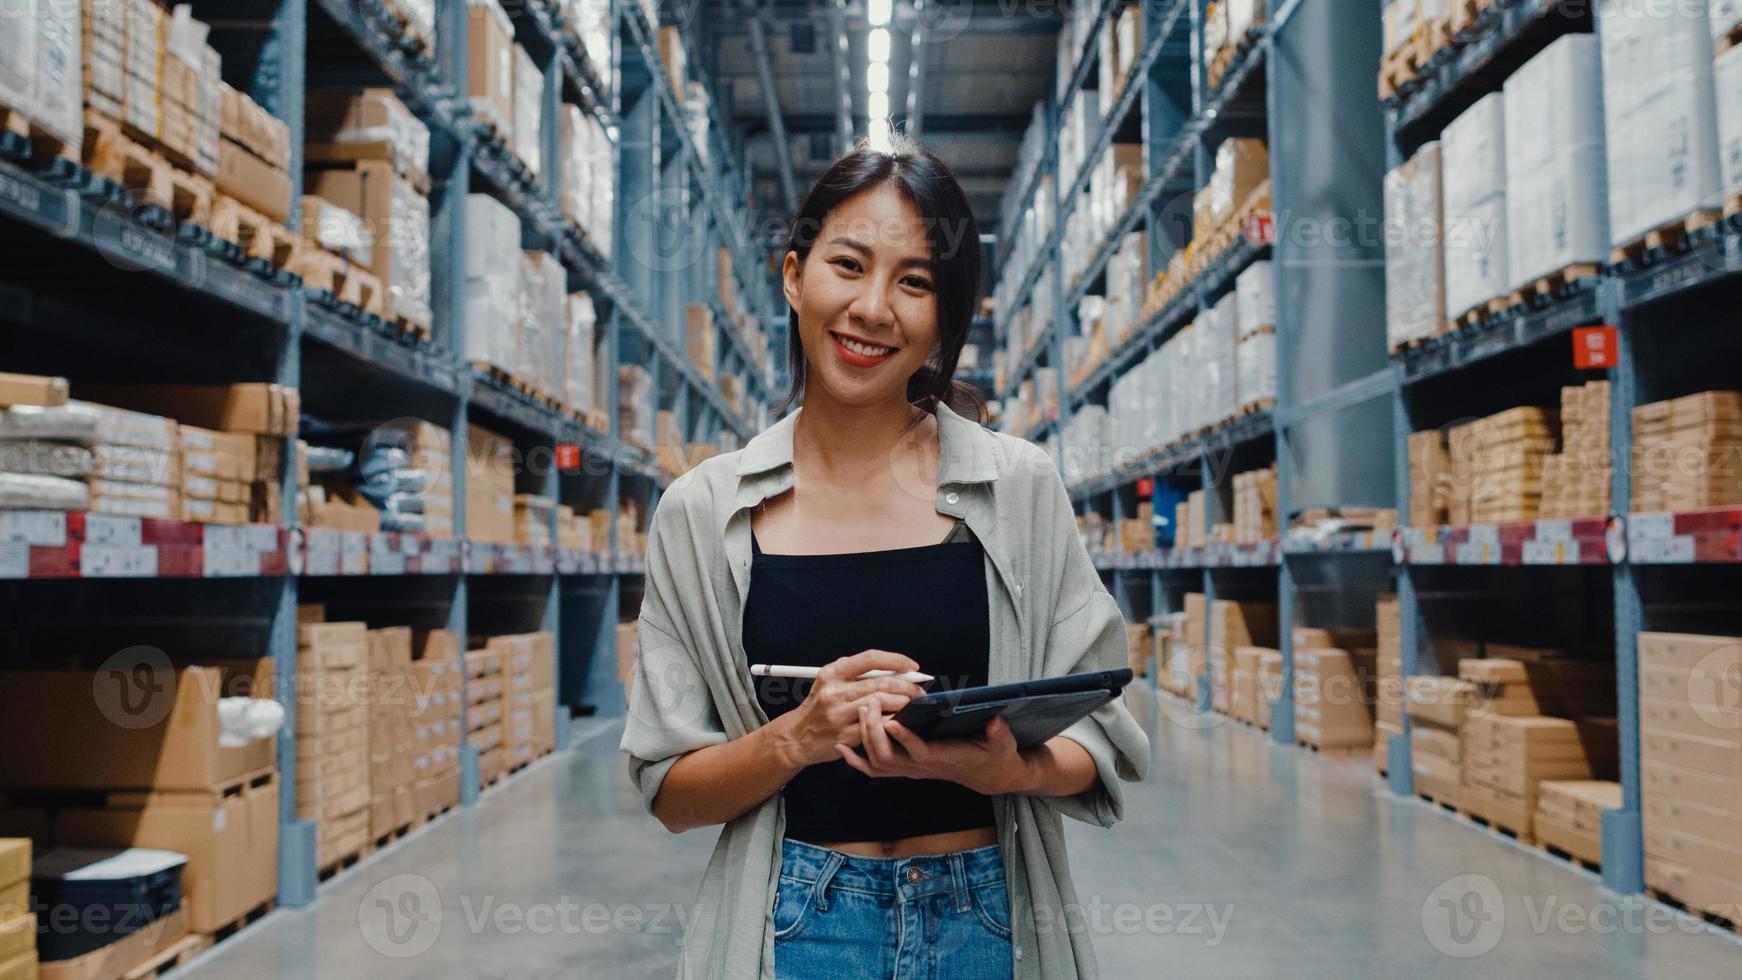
(810,673)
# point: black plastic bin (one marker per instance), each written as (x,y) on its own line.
(86,898)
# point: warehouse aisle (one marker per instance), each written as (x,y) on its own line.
(1236,859)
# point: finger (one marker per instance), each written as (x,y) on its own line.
(876,741)
(998,730)
(848,668)
(854,760)
(854,690)
(916,747)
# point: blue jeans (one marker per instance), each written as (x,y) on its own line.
(837,915)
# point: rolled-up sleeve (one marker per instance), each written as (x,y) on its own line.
(671,709)
(1087,633)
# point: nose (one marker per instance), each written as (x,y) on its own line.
(870,306)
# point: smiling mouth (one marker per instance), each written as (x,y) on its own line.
(861,348)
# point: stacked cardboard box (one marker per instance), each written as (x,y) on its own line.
(1429,479)
(1557,213)
(1388,678)
(253,156)
(392,740)
(1255,505)
(1437,706)
(485,711)
(517,672)
(17,922)
(218,470)
(1575,481)
(396,215)
(1510,742)
(489,486)
(1497,463)
(532,520)
(588,187)
(528,108)
(1687,452)
(1474,148)
(1415,283)
(1691,768)
(636,414)
(1569,814)
(1247,701)
(1191,529)
(543,332)
(493,284)
(542,683)
(172,785)
(490,65)
(1197,655)
(699,337)
(344,127)
(1234,624)
(332,734)
(1138,533)
(42,84)
(1139,648)
(1334,680)
(579,365)
(435,721)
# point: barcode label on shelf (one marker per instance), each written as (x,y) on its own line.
(1646,527)
(231,562)
(1547,552)
(1487,534)
(1664,551)
(109,531)
(118,562)
(354,562)
(46,528)
(1554,530)
(387,563)
(14,561)
(1476,553)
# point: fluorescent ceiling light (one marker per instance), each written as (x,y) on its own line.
(877,12)
(877,76)
(877,105)
(877,43)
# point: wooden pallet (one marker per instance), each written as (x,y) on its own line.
(1496,826)
(1219,65)
(1450,806)
(43,144)
(411,328)
(347,283)
(258,236)
(1398,68)
(344,862)
(178,953)
(1729,918)
(1254,407)
(438,813)
(1554,285)
(240,922)
(1463,15)
(393,836)
(1568,856)
(1480,313)
(1668,238)
(1337,752)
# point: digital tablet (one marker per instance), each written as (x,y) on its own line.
(1035,710)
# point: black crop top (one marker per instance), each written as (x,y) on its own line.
(809,610)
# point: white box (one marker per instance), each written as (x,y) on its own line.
(40,73)
(528,110)
(492,282)
(1727,76)
(1256,289)
(1473,158)
(1557,189)
(1659,105)
(1257,367)
(1415,294)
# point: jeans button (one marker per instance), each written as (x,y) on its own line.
(914,875)
(952,497)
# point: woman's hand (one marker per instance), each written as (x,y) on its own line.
(989,764)
(831,712)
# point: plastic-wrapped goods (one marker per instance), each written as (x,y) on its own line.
(40,73)
(1255,288)
(635,403)
(1415,286)
(1257,367)
(1243,15)
(492,282)
(1242,164)
(1473,154)
(590,22)
(581,318)
(398,220)
(1220,333)
(1078,130)
(1215,27)
(368,125)
(575,178)
(1659,112)
(336,229)
(1557,201)
(46,459)
(25,491)
(87,424)
(528,109)
(543,288)
(1727,72)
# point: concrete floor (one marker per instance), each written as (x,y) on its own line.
(1235,859)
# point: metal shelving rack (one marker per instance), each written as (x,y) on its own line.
(247,324)
(1333,381)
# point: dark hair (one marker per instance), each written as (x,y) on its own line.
(927,182)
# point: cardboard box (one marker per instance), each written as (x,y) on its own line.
(66,739)
(490,65)
(231,841)
(14,861)
(122,957)
(17,939)
(253,181)
(345,127)
(31,389)
(397,218)
(254,407)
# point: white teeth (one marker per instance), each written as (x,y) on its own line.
(865,349)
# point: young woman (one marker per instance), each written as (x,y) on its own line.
(875,529)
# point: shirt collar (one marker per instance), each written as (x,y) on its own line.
(967,453)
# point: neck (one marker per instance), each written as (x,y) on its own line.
(850,442)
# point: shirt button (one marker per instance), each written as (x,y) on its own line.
(914,875)
(1019,952)
(952,497)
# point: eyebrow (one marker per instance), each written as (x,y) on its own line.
(863,249)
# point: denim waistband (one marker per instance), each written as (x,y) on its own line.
(922,874)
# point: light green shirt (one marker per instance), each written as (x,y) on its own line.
(1050,615)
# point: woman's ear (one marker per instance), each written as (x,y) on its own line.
(789,278)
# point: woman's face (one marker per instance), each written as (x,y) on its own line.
(866,298)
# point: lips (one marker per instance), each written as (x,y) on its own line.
(858,353)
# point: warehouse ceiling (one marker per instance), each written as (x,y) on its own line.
(985,63)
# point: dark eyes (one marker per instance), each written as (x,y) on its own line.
(849,264)
(916,282)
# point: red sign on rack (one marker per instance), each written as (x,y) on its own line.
(568,456)
(1595,347)
(1261,228)
(1145,487)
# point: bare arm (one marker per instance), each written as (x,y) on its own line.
(719,783)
